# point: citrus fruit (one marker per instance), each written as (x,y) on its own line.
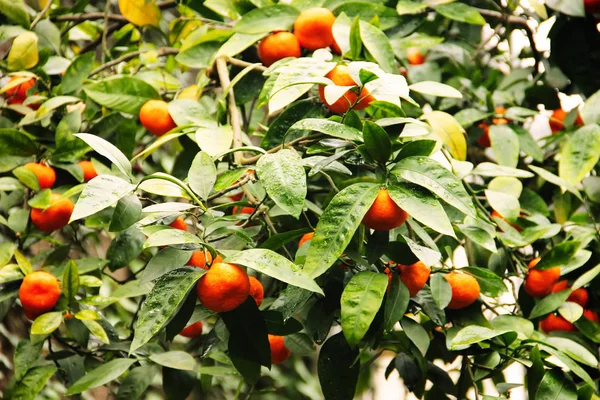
(55,216)
(305,238)
(89,172)
(313,28)
(414,56)
(591,315)
(18,94)
(155,117)
(243,210)
(278,46)
(192,331)
(39,293)
(539,283)
(414,276)
(224,287)
(340,75)
(179,223)
(484,139)
(200,257)
(45,174)
(279,353)
(256,290)
(557,120)
(465,290)
(556,323)
(384,214)
(579,296)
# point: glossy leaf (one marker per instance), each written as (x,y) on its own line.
(46,323)
(555,386)
(108,150)
(164,261)
(273,18)
(549,303)
(377,142)
(127,212)
(23,52)
(175,359)
(396,302)
(337,368)
(505,144)
(32,383)
(101,375)
(202,174)
(580,154)
(474,334)
(101,192)
(123,94)
(460,12)
(378,45)
(440,290)
(70,281)
(559,255)
(329,128)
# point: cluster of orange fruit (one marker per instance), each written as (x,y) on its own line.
(18,93)
(224,288)
(540,283)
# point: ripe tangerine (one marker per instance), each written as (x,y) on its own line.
(279,353)
(557,120)
(89,172)
(414,56)
(313,28)
(278,46)
(384,214)
(465,290)
(179,223)
(18,94)
(257,291)
(200,257)
(539,283)
(340,75)
(155,117)
(192,331)
(224,287)
(55,216)
(556,323)
(579,296)
(414,276)
(39,293)
(591,315)
(305,238)
(45,174)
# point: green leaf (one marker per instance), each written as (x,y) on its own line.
(555,180)
(441,291)
(202,174)
(416,334)
(396,302)
(46,323)
(23,262)
(528,144)
(420,40)
(32,383)
(101,375)
(277,241)
(327,127)
(239,42)
(436,89)
(16,143)
(361,300)
(554,386)
(41,199)
(70,281)
(491,284)
(411,7)
(505,144)
(200,55)
(125,248)
(460,12)
(8,184)
(522,326)
(566,360)
(123,94)
(77,72)
(505,204)
(572,8)
(87,315)
(136,382)
(276,266)
(10,273)
(108,150)
(338,223)
(127,212)
(474,334)
(168,236)
(273,18)
(468,116)
(27,177)
(162,303)
(586,277)
(26,354)
(581,153)
(164,261)
(214,140)
(590,112)
(379,46)
(97,330)
(15,11)
(570,311)
(494,170)
(377,141)
(101,192)
(426,172)
(283,177)
(549,303)
(297,111)
(337,368)
(559,255)
(479,236)
(422,206)
(175,360)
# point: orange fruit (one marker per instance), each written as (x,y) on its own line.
(89,172)
(313,28)
(224,287)
(591,315)
(55,216)
(500,121)
(199,259)
(18,94)
(243,210)
(414,56)
(335,48)
(556,323)
(155,117)
(579,296)
(278,46)
(384,214)
(557,120)
(539,283)
(414,276)
(45,174)
(256,290)
(39,293)
(465,290)
(192,331)
(179,223)
(341,77)
(279,353)
(305,238)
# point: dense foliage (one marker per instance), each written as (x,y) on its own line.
(191,194)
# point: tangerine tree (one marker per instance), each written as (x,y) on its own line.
(224,199)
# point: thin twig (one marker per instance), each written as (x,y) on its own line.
(161,52)
(234,113)
(244,64)
(41,14)
(231,188)
(88,17)
(254,159)
(105,52)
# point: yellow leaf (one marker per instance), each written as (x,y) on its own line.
(450,132)
(23,53)
(190,93)
(140,12)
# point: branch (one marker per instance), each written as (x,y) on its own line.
(41,14)
(234,113)
(88,17)
(244,64)
(523,23)
(161,52)
(254,159)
